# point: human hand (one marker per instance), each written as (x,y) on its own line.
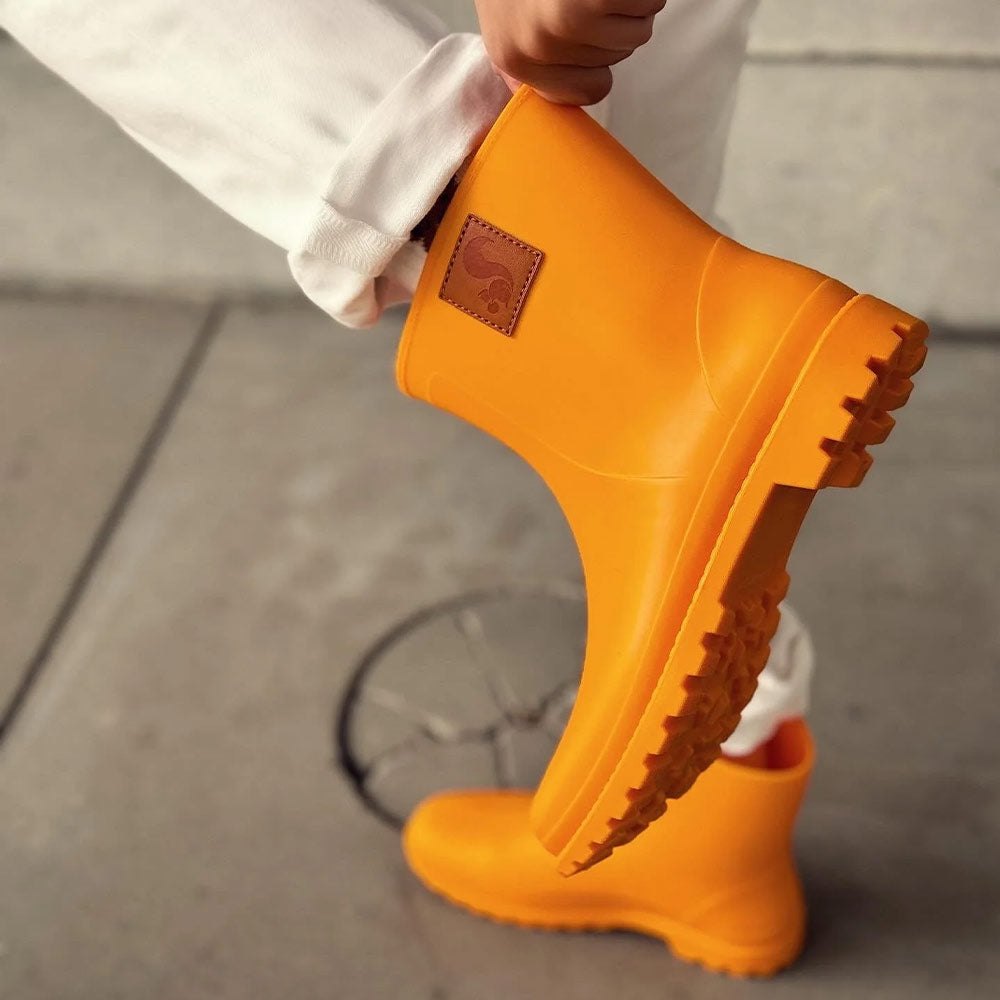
(564,48)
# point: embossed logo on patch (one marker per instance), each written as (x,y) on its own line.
(489,274)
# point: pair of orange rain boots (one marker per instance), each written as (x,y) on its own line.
(684,398)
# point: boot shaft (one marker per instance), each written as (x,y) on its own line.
(611,298)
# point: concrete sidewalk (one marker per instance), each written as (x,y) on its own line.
(175,820)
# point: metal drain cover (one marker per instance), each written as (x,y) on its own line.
(471,693)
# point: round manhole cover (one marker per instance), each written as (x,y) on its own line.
(471,693)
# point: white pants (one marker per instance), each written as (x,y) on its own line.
(330,127)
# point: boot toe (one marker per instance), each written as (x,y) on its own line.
(461,844)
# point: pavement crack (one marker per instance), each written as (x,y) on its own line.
(434,727)
(553,702)
(504,758)
(470,627)
(158,430)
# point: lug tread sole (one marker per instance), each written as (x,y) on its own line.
(735,651)
(691,946)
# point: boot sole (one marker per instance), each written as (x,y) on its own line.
(687,944)
(840,404)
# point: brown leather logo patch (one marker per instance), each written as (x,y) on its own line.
(489,274)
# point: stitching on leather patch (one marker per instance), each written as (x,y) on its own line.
(489,274)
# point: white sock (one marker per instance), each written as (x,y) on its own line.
(782,688)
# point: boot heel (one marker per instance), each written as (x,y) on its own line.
(858,372)
(741,963)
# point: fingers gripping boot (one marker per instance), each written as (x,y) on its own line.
(683,398)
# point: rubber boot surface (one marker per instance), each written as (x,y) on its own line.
(684,398)
(715,880)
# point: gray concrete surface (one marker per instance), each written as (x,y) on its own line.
(174,820)
(854,171)
(506,669)
(80,386)
(908,28)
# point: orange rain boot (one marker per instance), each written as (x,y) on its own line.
(684,398)
(715,880)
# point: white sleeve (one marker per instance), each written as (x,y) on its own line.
(328,126)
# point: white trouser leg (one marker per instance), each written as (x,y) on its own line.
(782,688)
(328,126)
(331,127)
